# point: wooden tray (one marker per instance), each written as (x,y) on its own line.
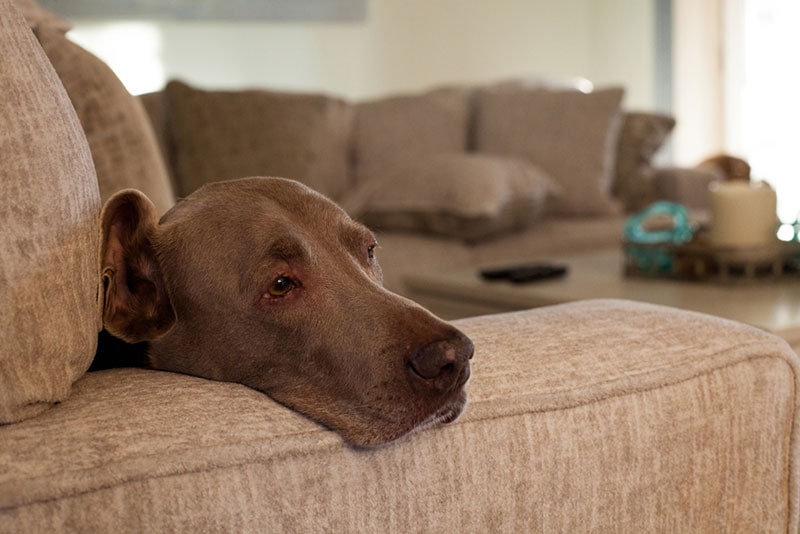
(700,260)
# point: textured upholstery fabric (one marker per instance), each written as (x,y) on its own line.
(569,134)
(399,130)
(224,135)
(123,145)
(597,416)
(48,243)
(641,136)
(465,196)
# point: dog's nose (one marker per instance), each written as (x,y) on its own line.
(442,366)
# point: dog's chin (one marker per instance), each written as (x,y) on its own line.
(444,415)
(379,437)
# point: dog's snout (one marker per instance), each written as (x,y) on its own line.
(442,366)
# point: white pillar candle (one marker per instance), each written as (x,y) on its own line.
(742,214)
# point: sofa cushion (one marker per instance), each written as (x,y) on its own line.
(570,134)
(465,196)
(641,136)
(50,203)
(123,145)
(220,135)
(402,129)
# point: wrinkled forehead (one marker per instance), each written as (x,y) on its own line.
(250,213)
(250,195)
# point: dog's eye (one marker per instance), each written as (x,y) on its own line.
(281,286)
(371,252)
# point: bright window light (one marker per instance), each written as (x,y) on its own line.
(786,232)
(762,109)
(131,49)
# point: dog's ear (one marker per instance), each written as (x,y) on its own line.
(136,306)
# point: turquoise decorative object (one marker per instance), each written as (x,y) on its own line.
(656,259)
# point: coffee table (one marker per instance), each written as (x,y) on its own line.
(771,304)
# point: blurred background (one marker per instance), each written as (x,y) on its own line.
(723,68)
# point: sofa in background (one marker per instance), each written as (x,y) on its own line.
(589,417)
(453,177)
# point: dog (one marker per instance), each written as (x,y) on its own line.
(264,282)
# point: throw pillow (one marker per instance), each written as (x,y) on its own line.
(641,136)
(49,205)
(123,145)
(569,134)
(401,129)
(220,135)
(463,196)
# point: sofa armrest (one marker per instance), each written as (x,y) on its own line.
(592,416)
(640,418)
(687,186)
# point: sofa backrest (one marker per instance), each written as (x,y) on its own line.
(49,206)
(210,135)
(121,138)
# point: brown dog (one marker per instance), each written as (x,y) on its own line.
(264,282)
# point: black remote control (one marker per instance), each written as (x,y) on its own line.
(525,273)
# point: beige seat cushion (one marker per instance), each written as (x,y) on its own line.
(218,135)
(48,217)
(570,134)
(123,145)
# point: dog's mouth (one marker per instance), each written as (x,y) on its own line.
(383,430)
(445,415)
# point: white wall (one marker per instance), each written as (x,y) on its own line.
(402,45)
(698,94)
(623,48)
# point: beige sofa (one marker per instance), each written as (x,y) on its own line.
(454,177)
(591,417)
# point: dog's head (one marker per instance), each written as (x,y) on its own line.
(264,282)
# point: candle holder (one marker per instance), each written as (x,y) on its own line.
(743,214)
(701,260)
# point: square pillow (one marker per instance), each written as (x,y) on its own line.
(219,135)
(401,129)
(462,196)
(569,134)
(50,205)
(641,136)
(121,138)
